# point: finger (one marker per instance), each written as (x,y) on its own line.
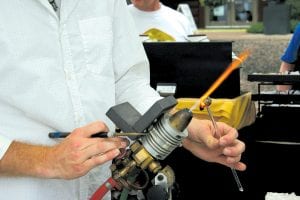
(236,165)
(90,129)
(210,141)
(229,136)
(240,166)
(233,160)
(200,150)
(101,146)
(100,159)
(237,149)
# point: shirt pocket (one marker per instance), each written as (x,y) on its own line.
(97,39)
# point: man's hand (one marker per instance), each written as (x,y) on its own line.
(79,153)
(73,157)
(204,143)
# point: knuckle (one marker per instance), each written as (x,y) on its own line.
(76,145)
(79,169)
(76,131)
(99,125)
(75,155)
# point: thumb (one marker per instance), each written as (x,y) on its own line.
(210,141)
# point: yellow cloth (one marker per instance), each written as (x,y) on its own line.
(237,112)
(155,34)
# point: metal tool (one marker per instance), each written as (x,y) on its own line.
(159,133)
(59,134)
(207,103)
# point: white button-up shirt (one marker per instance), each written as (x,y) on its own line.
(61,73)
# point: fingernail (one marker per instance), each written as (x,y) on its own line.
(122,153)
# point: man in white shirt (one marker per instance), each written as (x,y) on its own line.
(62,73)
(149,14)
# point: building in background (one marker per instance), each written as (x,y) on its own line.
(231,13)
(225,13)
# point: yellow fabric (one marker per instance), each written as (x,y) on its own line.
(237,112)
(155,34)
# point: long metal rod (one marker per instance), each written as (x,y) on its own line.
(234,173)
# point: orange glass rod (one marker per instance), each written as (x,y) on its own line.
(234,65)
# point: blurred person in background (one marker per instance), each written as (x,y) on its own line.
(149,14)
(290,60)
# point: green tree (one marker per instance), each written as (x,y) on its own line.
(295,9)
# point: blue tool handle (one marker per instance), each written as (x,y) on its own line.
(58,134)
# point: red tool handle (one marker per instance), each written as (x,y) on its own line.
(104,188)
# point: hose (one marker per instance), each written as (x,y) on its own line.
(103,189)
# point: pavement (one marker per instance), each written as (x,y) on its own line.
(266,51)
(238,34)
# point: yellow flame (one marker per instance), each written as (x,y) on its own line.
(234,65)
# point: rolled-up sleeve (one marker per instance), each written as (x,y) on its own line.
(4,144)
(132,72)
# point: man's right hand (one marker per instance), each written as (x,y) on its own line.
(73,157)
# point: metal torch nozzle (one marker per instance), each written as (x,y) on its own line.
(167,133)
(181,119)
